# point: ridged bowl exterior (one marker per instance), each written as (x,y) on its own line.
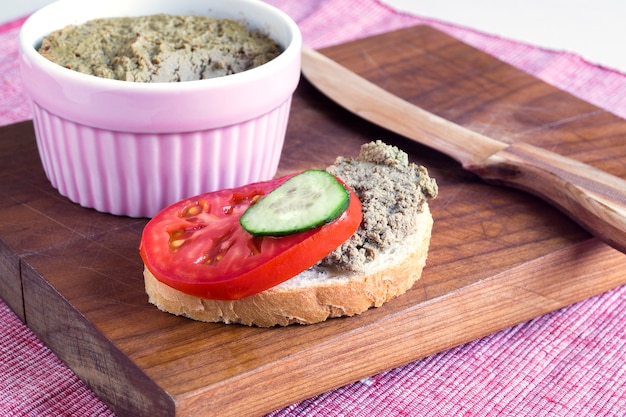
(133,148)
(137,174)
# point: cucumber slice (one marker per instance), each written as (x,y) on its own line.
(303,202)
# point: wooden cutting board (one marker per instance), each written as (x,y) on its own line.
(498,257)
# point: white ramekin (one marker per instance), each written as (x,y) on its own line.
(131,148)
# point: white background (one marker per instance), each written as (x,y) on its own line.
(12,9)
(593,29)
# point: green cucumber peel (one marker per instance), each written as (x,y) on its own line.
(303,202)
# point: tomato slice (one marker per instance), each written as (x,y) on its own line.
(197,245)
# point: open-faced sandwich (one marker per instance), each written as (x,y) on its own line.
(297,249)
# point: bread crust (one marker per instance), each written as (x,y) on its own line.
(310,297)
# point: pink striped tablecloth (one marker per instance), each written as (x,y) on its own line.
(568,363)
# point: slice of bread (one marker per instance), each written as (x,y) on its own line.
(315,294)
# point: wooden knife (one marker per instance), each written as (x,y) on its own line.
(594,199)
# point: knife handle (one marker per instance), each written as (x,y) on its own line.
(593,198)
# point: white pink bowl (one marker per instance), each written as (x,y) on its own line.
(131,148)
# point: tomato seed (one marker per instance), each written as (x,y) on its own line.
(175,244)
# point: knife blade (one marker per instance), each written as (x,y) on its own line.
(593,198)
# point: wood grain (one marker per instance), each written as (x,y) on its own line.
(498,256)
(594,199)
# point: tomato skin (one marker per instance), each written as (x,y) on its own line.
(197,245)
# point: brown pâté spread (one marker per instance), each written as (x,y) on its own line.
(392,192)
(159,48)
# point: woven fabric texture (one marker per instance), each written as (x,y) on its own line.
(568,363)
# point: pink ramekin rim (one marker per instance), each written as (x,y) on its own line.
(165,107)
